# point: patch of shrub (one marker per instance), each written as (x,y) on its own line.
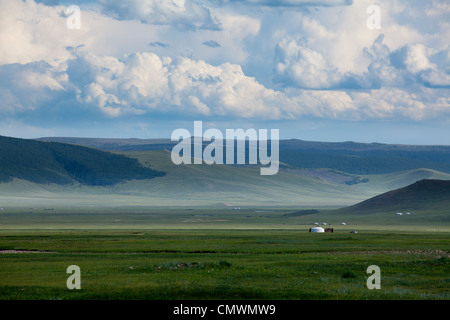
(224,263)
(348,274)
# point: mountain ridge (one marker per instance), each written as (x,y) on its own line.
(349,157)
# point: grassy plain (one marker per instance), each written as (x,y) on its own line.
(204,254)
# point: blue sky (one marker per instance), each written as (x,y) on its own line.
(316,70)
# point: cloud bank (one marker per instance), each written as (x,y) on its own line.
(157,60)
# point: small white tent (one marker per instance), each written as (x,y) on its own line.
(399,213)
(317,229)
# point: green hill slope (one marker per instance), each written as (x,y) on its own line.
(425,194)
(191,185)
(58,163)
(127,186)
(245,186)
(233,185)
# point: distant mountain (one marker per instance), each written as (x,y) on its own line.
(59,163)
(115,144)
(349,157)
(425,194)
(364,158)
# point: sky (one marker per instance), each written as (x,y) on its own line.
(325,70)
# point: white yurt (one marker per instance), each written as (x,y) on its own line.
(317,229)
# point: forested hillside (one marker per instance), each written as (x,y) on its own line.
(59,163)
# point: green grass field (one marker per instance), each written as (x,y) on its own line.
(226,254)
(219,232)
(197,218)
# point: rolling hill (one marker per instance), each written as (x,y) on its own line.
(349,157)
(426,194)
(64,175)
(62,164)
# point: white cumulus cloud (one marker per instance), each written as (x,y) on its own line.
(183,14)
